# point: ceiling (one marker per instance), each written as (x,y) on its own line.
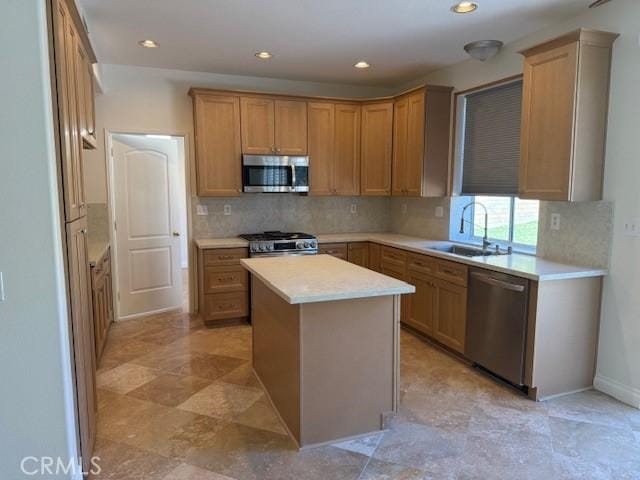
(310,40)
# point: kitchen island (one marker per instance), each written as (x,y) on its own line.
(326,344)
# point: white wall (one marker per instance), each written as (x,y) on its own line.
(618,370)
(36,414)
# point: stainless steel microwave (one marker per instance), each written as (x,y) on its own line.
(275,173)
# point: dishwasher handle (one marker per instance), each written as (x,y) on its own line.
(497,283)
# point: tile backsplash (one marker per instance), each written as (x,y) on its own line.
(98,221)
(417,217)
(252,213)
(585,233)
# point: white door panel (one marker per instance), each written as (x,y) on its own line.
(149,276)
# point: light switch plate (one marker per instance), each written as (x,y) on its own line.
(555,221)
(2,297)
(354,208)
(227,209)
(439,212)
(202,210)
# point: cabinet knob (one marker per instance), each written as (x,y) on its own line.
(176,234)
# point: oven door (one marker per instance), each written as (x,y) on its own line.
(275,173)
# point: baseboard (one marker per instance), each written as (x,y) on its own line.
(620,391)
(147,314)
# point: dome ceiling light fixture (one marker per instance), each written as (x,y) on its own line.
(464,7)
(483,49)
(264,55)
(148,43)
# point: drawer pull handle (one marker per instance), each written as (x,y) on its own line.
(225,306)
(450,272)
(225,257)
(225,279)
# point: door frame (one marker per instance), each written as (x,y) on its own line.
(189,176)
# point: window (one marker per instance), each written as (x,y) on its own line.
(511,220)
(486,167)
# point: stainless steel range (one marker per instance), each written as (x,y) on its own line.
(273,244)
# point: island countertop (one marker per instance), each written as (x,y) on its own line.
(321,278)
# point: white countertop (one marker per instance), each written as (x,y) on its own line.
(321,278)
(96,250)
(518,264)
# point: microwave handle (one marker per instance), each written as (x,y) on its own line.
(293,176)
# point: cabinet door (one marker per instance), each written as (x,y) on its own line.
(290,127)
(376,149)
(218,154)
(413,173)
(258,126)
(346,157)
(421,304)
(84,94)
(450,315)
(83,335)
(338,250)
(374,257)
(321,147)
(547,123)
(400,135)
(72,174)
(359,254)
(89,103)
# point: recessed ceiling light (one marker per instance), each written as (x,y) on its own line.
(361,64)
(148,44)
(264,55)
(464,7)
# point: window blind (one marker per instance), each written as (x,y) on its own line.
(491,150)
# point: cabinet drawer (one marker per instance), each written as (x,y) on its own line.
(339,250)
(224,256)
(225,278)
(393,260)
(421,264)
(219,306)
(452,272)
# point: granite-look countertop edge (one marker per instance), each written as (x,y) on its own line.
(96,249)
(517,264)
(321,278)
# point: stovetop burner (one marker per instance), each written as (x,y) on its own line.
(276,235)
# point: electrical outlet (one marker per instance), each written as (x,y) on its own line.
(439,212)
(202,210)
(354,208)
(404,209)
(632,227)
(227,209)
(555,221)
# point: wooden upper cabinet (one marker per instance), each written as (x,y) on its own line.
(321,128)
(290,127)
(258,126)
(218,152)
(400,135)
(334,148)
(564,117)
(421,142)
(273,127)
(376,149)
(66,47)
(85,97)
(346,177)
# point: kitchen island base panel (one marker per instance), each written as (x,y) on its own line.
(330,368)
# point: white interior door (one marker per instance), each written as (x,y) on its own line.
(149,277)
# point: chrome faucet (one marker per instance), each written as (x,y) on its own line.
(485,238)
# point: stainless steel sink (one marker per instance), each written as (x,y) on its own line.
(464,251)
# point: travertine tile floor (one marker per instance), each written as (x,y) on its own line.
(178,401)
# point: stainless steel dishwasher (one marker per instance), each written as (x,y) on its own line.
(497,323)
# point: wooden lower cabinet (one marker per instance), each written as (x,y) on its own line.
(450,317)
(223,285)
(102,294)
(422,304)
(84,362)
(358,253)
(338,250)
(374,257)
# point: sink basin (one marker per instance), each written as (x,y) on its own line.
(464,251)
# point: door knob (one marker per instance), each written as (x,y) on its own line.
(176,234)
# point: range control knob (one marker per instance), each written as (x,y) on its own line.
(269,247)
(262,248)
(306,245)
(299,245)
